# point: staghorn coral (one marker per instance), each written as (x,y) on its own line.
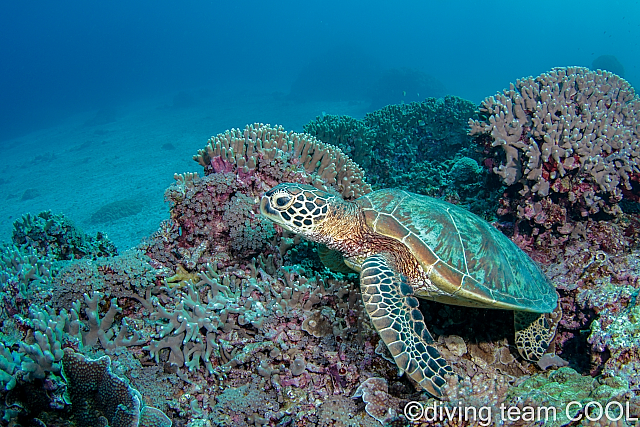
(571,133)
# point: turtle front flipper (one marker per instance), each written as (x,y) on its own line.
(333,260)
(393,309)
(535,332)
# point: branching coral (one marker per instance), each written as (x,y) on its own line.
(259,148)
(190,329)
(222,305)
(9,363)
(49,331)
(572,133)
(24,274)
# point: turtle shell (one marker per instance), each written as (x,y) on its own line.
(466,258)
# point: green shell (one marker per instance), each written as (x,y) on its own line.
(466,258)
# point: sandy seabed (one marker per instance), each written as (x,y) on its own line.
(130,154)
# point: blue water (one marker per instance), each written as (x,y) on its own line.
(58,58)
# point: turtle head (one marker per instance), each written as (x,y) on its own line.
(300,208)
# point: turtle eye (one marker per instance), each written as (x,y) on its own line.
(281,200)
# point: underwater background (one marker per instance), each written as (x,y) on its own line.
(173,298)
(109,84)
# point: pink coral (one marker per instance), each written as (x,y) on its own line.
(569,137)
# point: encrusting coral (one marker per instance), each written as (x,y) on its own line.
(100,398)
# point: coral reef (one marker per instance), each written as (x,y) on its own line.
(570,134)
(222,319)
(559,388)
(215,217)
(566,146)
(24,275)
(40,245)
(57,236)
(261,153)
(122,276)
(421,147)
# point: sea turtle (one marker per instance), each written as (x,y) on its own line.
(405,246)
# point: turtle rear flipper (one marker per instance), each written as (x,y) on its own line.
(393,309)
(535,332)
